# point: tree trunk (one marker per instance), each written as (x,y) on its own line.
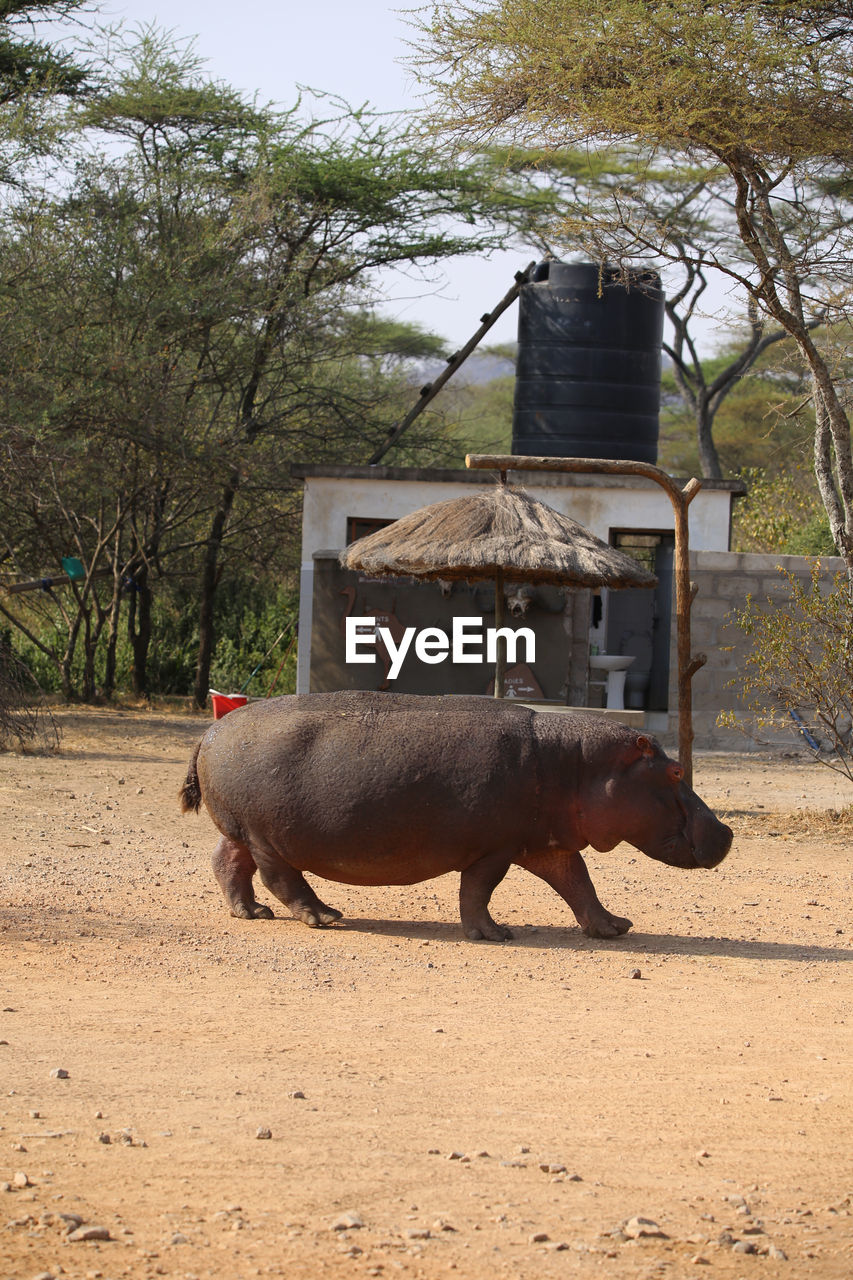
(112,640)
(207,590)
(67,662)
(90,644)
(709,459)
(139,631)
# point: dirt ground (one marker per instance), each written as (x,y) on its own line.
(433,1105)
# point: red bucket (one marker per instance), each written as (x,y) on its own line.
(223,703)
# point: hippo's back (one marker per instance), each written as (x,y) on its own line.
(382,769)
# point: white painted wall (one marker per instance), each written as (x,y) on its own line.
(329,501)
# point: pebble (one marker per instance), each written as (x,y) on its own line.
(180,1238)
(419,1233)
(744,1246)
(778,1254)
(699,1261)
(105,1139)
(263,1132)
(20,1179)
(637,1228)
(350,1221)
(59,1073)
(296,1093)
(538,1237)
(553,1168)
(441,1224)
(18,1146)
(636,973)
(88,1233)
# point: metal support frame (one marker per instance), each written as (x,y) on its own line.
(454,362)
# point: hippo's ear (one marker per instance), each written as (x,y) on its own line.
(645,746)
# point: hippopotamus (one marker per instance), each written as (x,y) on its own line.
(370,788)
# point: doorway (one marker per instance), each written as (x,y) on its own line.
(639,620)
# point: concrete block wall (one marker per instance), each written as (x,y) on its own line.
(725,581)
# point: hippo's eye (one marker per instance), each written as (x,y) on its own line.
(676,772)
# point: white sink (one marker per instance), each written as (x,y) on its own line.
(610,661)
(616,665)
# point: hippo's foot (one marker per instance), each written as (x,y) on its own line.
(291,888)
(606,925)
(252,911)
(489,932)
(315,914)
(475,888)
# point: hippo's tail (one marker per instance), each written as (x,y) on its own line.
(190,792)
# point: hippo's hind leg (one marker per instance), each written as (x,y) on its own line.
(291,888)
(475,888)
(234,867)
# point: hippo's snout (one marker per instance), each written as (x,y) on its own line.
(714,846)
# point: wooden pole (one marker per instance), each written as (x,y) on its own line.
(685,591)
(500,619)
(54,580)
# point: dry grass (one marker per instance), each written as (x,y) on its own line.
(796,822)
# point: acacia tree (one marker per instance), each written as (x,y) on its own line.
(33,76)
(189,308)
(581,191)
(295,217)
(755,93)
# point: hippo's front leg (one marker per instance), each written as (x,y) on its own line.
(475,888)
(567,873)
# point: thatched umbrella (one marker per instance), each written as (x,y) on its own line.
(502,534)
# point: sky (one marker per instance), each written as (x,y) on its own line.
(356,49)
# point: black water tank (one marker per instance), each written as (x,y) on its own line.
(589,358)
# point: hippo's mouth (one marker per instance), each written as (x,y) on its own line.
(680,850)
